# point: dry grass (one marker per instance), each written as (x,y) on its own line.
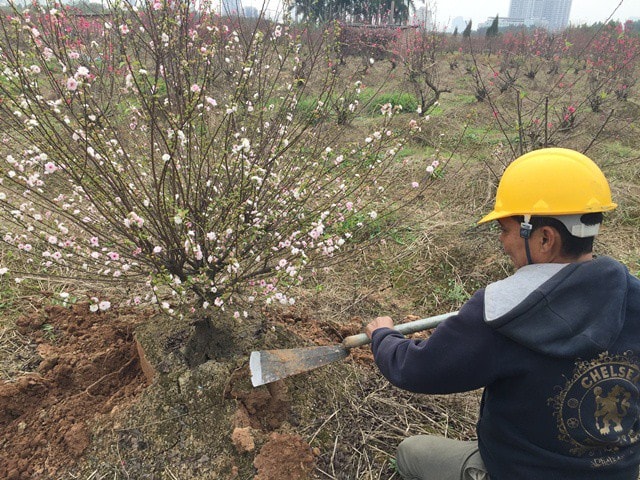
(17,354)
(367,418)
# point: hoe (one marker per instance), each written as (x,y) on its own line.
(270,365)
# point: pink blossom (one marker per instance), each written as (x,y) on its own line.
(157,6)
(316,232)
(94,242)
(415,184)
(50,167)
(82,72)
(195,88)
(124,29)
(72,84)
(113,255)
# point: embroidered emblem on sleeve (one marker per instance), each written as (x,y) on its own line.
(597,409)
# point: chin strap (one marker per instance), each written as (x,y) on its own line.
(525,232)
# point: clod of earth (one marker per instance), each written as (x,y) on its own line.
(285,456)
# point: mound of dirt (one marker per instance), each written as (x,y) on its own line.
(88,365)
(204,421)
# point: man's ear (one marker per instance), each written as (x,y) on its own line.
(549,239)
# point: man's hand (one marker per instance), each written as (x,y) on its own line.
(379,322)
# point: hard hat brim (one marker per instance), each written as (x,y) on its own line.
(493,216)
(497,215)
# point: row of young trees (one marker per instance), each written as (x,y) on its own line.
(602,59)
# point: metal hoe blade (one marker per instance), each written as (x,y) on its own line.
(270,365)
(287,362)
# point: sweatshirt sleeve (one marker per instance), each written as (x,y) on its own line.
(460,355)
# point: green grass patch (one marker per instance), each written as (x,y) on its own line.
(461,99)
(374,102)
(370,101)
(388,227)
(618,150)
(407,151)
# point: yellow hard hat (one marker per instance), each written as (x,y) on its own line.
(551,182)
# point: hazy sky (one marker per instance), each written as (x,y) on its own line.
(582,11)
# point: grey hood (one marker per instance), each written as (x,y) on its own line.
(562,310)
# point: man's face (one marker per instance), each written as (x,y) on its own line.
(512,242)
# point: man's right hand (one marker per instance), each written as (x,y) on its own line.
(378,322)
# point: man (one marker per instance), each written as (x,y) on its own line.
(555,346)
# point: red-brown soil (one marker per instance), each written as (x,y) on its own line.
(88,369)
(88,365)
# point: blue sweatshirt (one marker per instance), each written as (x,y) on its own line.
(556,348)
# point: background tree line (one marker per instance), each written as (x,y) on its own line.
(365,11)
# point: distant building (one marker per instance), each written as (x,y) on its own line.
(231,7)
(422,17)
(251,12)
(460,23)
(551,14)
(503,22)
(526,9)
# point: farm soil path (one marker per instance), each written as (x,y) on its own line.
(87,371)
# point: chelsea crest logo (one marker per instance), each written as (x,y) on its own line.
(595,409)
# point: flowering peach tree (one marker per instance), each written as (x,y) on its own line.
(420,51)
(611,62)
(163,145)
